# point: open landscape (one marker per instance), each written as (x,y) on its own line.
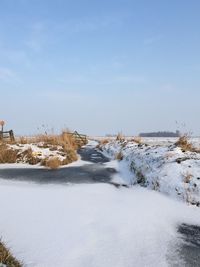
(99,133)
(104,201)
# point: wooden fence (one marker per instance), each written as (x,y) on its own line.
(81,139)
(9,135)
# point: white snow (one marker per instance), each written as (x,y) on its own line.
(159,168)
(90,225)
(39,151)
(77,163)
(91,143)
(123,176)
(20,166)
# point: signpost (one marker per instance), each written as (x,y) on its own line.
(2,123)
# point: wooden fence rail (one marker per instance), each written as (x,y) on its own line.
(81,139)
(7,135)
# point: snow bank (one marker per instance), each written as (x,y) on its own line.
(91,225)
(163,168)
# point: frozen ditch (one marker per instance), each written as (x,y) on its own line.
(92,224)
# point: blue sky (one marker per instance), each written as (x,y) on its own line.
(100,66)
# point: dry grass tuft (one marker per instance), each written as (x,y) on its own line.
(52,163)
(7,155)
(46,140)
(104,141)
(187,177)
(6,257)
(28,157)
(137,139)
(65,139)
(119,156)
(23,140)
(71,156)
(120,137)
(184,144)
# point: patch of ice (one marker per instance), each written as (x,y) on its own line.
(78,163)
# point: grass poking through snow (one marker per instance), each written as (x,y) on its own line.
(50,151)
(6,257)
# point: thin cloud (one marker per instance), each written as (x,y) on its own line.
(86,24)
(92,78)
(7,75)
(14,56)
(37,37)
(152,40)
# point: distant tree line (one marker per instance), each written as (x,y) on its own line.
(161,134)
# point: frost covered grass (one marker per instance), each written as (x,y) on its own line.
(169,169)
(65,138)
(91,225)
(184,143)
(7,258)
(48,150)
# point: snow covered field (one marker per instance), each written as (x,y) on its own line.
(91,225)
(162,141)
(168,141)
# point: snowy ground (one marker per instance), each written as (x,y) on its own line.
(168,141)
(163,168)
(38,150)
(93,225)
(153,140)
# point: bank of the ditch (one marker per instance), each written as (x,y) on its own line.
(167,169)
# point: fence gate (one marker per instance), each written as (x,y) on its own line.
(9,135)
(81,139)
